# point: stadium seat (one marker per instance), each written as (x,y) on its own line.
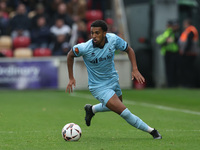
(23,53)
(41,52)
(92,15)
(5,42)
(21,41)
(7,52)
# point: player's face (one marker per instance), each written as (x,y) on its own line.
(98,36)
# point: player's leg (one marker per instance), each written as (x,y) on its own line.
(101,108)
(92,110)
(117,106)
(115,87)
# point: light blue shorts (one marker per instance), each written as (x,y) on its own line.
(103,94)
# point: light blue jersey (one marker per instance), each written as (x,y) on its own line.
(100,61)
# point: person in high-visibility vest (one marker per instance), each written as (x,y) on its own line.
(188,43)
(188,40)
(169,49)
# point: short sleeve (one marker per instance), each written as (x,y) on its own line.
(121,44)
(78,50)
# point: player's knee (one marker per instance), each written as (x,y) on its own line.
(125,113)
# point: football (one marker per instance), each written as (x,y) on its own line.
(71,132)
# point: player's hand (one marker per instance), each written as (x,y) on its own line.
(137,75)
(170,40)
(72,82)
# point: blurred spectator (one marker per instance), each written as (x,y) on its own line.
(60,28)
(61,37)
(189,39)
(40,35)
(111,27)
(4,22)
(39,12)
(100,5)
(188,43)
(76,9)
(62,13)
(169,48)
(3,8)
(12,5)
(82,32)
(30,4)
(52,6)
(20,22)
(4,18)
(60,46)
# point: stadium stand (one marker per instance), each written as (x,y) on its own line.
(76,14)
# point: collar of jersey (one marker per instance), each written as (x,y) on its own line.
(106,41)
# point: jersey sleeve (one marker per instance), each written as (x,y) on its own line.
(78,50)
(121,44)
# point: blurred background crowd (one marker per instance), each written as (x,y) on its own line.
(47,27)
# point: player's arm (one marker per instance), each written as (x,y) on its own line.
(135,73)
(70,62)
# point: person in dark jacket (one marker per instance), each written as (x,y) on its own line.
(188,43)
(40,35)
(20,20)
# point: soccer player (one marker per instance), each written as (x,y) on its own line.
(98,55)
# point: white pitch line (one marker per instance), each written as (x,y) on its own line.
(162,107)
(130,102)
(182,130)
(167,130)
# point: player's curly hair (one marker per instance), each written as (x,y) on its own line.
(100,23)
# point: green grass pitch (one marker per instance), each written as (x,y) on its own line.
(32,120)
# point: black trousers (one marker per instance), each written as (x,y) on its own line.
(172,68)
(188,71)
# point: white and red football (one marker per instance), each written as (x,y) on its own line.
(71,132)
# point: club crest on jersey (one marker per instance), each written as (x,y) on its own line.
(76,51)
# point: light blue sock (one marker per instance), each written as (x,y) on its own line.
(99,108)
(134,120)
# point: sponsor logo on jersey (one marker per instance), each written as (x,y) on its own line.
(97,60)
